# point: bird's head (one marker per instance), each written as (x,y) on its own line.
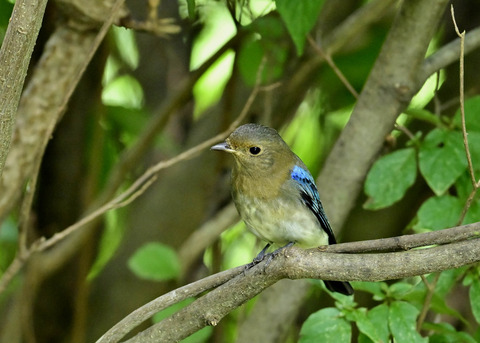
(257,149)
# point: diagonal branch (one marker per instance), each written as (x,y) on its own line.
(299,264)
(315,263)
(15,56)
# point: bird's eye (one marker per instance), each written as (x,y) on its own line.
(255,150)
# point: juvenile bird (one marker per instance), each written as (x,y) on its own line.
(275,193)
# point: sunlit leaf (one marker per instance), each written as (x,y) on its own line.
(155,261)
(111,238)
(218,28)
(126,46)
(123,91)
(389,178)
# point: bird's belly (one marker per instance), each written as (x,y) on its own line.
(278,222)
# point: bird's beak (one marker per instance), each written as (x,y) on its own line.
(222,147)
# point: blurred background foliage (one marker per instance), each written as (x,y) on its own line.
(419,183)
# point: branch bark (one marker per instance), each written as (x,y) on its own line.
(299,264)
(15,56)
(43,101)
(392,83)
(389,88)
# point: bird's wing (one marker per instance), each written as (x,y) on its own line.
(311,199)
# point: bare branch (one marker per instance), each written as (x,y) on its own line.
(15,56)
(298,264)
(448,54)
(319,263)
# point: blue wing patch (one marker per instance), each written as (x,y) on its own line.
(311,199)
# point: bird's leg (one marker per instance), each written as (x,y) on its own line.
(276,252)
(259,258)
(261,254)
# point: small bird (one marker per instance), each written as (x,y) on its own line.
(275,193)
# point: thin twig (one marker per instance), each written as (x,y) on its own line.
(25,252)
(475,184)
(334,67)
(136,189)
(428,299)
(119,330)
(456,234)
(462,97)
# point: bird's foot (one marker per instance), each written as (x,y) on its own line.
(269,257)
(275,253)
(259,258)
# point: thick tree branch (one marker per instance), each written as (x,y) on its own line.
(448,54)
(389,88)
(298,264)
(66,54)
(15,56)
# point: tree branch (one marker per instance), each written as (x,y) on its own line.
(323,263)
(448,54)
(299,264)
(15,55)
(389,88)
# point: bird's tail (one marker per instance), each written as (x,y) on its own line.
(339,286)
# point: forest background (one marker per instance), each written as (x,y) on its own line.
(109,197)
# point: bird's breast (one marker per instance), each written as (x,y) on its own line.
(280,220)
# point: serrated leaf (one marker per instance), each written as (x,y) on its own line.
(402,318)
(326,325)
(155,261)
(389,178)
(442,159)
(299,17)
(475,299)
(439,213)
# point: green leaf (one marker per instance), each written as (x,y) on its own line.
(475,299)
(474,147)
(447,280)
(442,159)
(473,213)
(446,333)
(389,178)
(267,40)
(472,115)
(123,91)
(326,325)
(299,17)
(155,261)
(439,213)
(374,323)
(376,288)
(110,241)
(402,322)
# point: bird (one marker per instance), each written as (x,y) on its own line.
(275,194)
